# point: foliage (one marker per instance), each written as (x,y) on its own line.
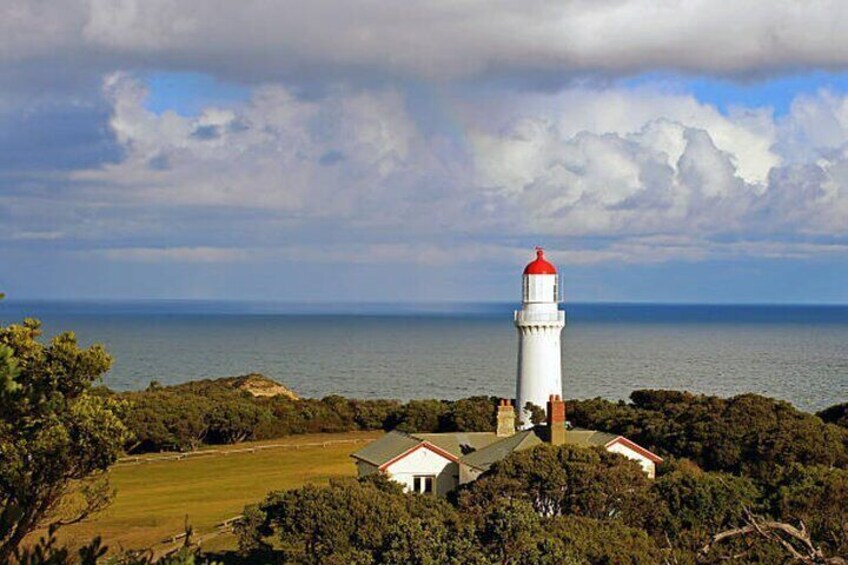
(746,434)
(474,414)
(537,413)
(185,416)
(837,414)
(421,416)
(564,504)
(511,532)
(605,542)
(56,437)
(565,480)
(163,419)
(369,521)
(693,504)
(817,497)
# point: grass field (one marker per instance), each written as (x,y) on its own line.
(155,499)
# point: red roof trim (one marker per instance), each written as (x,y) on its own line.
(637,448)
(424,444)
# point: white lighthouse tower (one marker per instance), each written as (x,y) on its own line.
(539,324)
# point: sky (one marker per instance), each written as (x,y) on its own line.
(329,151)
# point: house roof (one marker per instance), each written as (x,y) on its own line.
(481,450)
(386,448)
(460,443)
(486,457)
(589,438)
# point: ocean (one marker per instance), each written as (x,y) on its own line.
(795,353)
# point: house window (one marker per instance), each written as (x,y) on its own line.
(423,483)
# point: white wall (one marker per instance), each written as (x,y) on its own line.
(422,461)
(647,465)
(540,288)
(539,365)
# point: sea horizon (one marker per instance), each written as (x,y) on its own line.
(797,353)
(368,308)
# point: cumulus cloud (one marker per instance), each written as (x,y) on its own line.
(257,39)
(353,156)
(354,173)
(332,150)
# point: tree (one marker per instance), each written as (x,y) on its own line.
(565,480)
(57,438)
(747,434)
(512,533)
(605,541)
(816,497)
(421,416)
(537,413)
(836,414)
(474,414)
(696,504)
(366,521)
(234,421)
(162,419)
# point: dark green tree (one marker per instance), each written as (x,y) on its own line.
(694,504)
(512,533)
(368,521)
(565,480)
(747,434)
(537,413)
(604,542)
(421,416)
(56,438)
(817,497)
(474,414)
(836,414)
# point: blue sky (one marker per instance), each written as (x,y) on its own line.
(324,153)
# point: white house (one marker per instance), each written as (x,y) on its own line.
(438,463)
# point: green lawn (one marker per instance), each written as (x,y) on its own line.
(155,499)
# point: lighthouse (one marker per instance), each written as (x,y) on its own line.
(539,324)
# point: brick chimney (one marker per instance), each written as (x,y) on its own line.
(556,420)
(506,419)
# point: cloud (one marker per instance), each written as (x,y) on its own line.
(621,175)
(355,171)
(257,40)
(175,254)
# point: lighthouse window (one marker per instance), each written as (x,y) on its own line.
(423,484)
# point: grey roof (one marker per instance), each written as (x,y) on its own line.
(486,457)
(477,449)
(386,448)
(460,443)
(588,438)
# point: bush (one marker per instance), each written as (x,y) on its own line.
(368,521)
(602,542)
(837,414)
(746,434)
(565,480)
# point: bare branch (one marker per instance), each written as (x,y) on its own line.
(787,535)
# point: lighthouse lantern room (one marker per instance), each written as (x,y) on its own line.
(539,324)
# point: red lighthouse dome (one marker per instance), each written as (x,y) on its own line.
(539,266)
